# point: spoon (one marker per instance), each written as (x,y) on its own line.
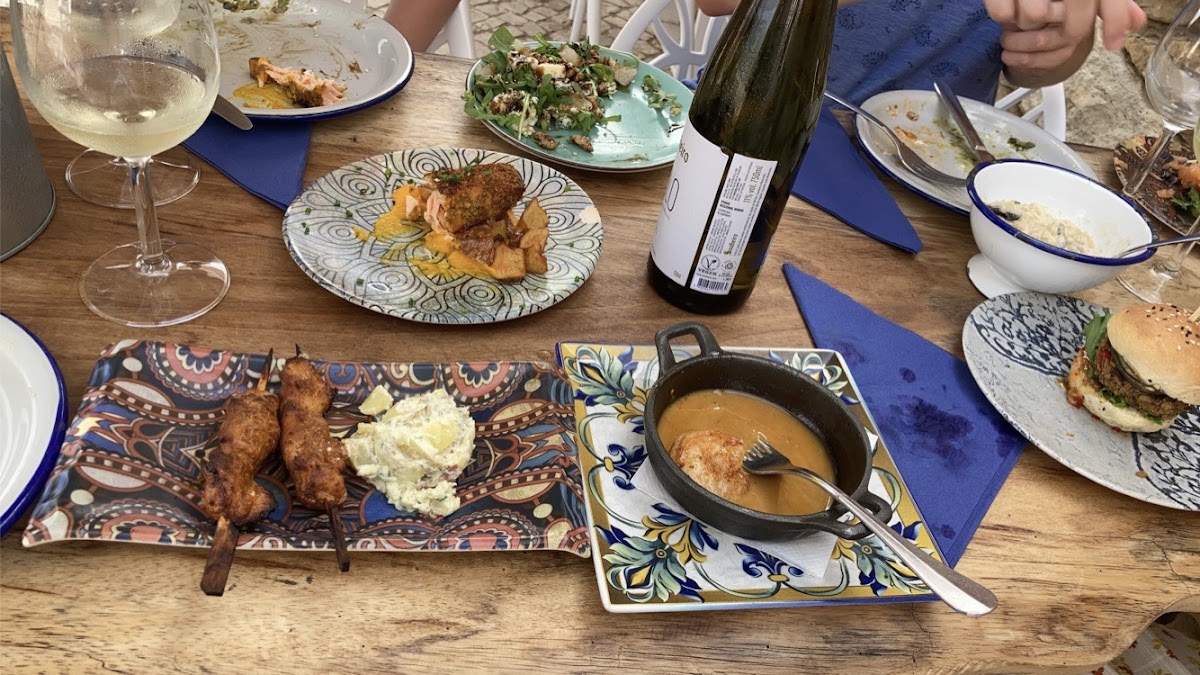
(1160,242)
(908,157)
(956,590)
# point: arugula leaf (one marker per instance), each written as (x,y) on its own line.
(1093,333)
(656,98)
(1190,202)
(502,39)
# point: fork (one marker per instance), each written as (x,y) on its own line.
(962,594)
(908,157)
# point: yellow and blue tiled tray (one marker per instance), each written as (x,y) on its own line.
(650,556)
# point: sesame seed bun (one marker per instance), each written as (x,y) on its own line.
(1082,390)
(1161,346)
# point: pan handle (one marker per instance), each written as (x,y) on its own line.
(878,506)
(662,341)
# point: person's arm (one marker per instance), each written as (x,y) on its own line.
(419,21)
(1045,41)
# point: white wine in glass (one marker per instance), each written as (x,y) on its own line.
(103,179)
(131,79)
(1168,280)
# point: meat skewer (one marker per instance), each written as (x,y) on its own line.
(314,458)
(248,435)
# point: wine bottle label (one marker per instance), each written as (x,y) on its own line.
(712,201)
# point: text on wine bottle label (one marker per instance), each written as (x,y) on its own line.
(712,201)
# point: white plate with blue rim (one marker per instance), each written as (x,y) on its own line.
(334,38)
(919,119)
(1019,347)
(33,417)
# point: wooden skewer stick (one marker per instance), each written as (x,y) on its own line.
(339,539)
(267,369)
(1195,317)
(220,556)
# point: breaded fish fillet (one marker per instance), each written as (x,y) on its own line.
(470,196)
(714,460)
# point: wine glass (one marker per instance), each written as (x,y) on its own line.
(102,179)
(129,78)
(1167,280)
(1172,86)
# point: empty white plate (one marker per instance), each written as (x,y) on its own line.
(33,415)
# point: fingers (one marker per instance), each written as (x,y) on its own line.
(1025,15)
(1119,18)
(1044,40)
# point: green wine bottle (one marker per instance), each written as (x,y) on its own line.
(749,125)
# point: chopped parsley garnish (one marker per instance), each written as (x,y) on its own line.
(1018,144)
(307,210)
(1189,201)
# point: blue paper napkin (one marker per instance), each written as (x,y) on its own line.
(268,160)
(952,447)
(836,179)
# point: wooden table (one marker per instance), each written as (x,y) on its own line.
(1079,569)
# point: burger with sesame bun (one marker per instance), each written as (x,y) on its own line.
(1138,369)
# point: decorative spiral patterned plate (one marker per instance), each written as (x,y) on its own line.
(329,232)
(652,556)
(1019,347)
(128,470)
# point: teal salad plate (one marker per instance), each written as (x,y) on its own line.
(644,138)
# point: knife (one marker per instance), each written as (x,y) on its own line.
(229,112)
(946,94)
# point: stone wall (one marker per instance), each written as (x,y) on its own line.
(1106,99)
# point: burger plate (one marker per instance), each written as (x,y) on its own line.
(1019,347)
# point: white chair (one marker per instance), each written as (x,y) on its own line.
(682,57)
(591,10)
(458,34)
(1051,111)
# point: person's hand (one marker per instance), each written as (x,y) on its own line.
(1045,41)
(1119,16)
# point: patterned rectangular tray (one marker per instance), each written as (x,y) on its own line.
(128,467)
(651,557)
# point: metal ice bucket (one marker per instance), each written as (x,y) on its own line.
(26,196)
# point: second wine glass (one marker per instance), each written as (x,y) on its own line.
(130,78)
(1165,279)
(1172,86)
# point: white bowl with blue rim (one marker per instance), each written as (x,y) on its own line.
(1011,261)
